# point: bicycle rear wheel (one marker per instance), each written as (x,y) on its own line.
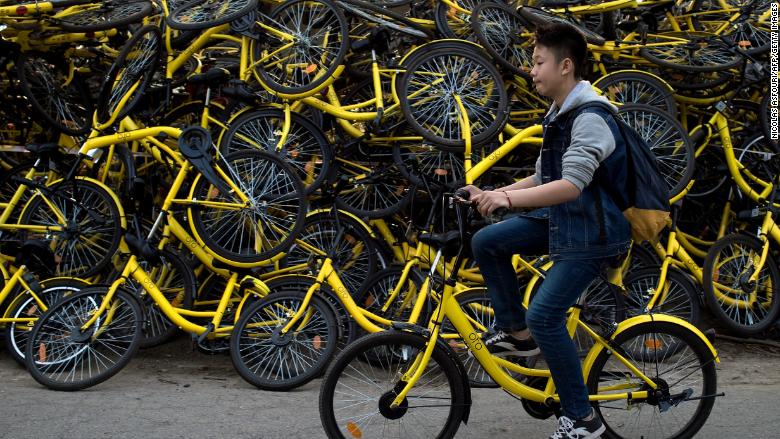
(62,356)
(635,87)
(685,376)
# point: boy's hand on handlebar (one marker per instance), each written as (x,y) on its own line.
(489,201)
(472,190)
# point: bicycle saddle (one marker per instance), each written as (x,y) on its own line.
(42,148)
(447,241)
(141,248)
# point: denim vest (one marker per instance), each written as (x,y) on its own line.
(590,226)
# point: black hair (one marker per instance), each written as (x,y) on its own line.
(565,41)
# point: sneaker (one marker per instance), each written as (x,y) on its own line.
(581,429)
(502,344)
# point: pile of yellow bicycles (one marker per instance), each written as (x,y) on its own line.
(274,178)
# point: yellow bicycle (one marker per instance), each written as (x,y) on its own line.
(649,375)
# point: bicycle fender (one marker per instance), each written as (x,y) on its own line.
(641,319)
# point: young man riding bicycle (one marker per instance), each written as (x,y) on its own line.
(577,223)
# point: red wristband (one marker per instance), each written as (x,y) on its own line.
(509,200)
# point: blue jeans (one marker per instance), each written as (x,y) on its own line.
(493,248)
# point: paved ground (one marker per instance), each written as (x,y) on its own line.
(171,391)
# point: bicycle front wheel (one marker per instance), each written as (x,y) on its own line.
(744,306)
(685,376)
(363,381)
(263,226)
(62,356)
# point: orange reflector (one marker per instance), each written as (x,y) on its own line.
(31,311)
(354,430)
(451,12)
(744,43)
(317,342)
(440,171)
(294,153)
(653,344)
(311,68)
(42,352)
(369,300)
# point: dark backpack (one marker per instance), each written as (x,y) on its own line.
(647,204)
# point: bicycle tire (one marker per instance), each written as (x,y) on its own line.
(372,186)
(106,15)
(95,211)
(652,336)
(539,17)
(499,29)
(690,56)
(489,103)
(406,26)
(280,207)
(667,139)
(682,298)
(391,342)
(127,70)
(755,318)
(306,148)
(274,74)
(66,317)
(348,327)
(374,294)
(454,24)
(355,257)
(67,107)
(282,345)
(204,14)
(25,306)
(636,87)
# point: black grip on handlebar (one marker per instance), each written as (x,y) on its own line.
(463,193)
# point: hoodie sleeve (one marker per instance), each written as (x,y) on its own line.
(591,142)
(538,169)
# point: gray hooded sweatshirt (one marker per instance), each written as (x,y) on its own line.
(591,139)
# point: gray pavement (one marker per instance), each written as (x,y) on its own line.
(171,392)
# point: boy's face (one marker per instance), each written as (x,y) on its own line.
(549,75)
